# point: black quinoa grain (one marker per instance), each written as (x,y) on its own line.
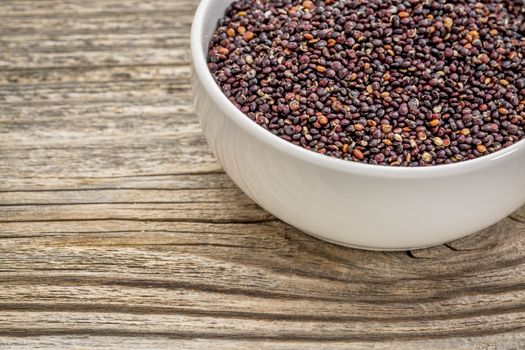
(400,83)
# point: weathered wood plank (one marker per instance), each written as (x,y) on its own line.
(171,182)
(167,154)
(187,327)
(65,8)
(129,91)
(289,262)
(122,57)
(492,342)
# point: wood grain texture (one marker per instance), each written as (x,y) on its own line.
(118,228)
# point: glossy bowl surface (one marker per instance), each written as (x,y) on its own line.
(348,203)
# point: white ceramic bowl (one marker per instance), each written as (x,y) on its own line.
(348,203)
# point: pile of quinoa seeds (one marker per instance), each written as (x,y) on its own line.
(400,83)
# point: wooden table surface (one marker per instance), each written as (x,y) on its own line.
(118,228)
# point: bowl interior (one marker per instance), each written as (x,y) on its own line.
(205,23)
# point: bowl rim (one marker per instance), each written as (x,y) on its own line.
(203,74)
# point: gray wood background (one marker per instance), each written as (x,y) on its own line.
(118,228)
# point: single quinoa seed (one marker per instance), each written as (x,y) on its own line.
(448,22)
(434,123)
(410,83)
(358,154)
(426,157)
(481,148)
(308,4)
(248,36)
(322,120)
